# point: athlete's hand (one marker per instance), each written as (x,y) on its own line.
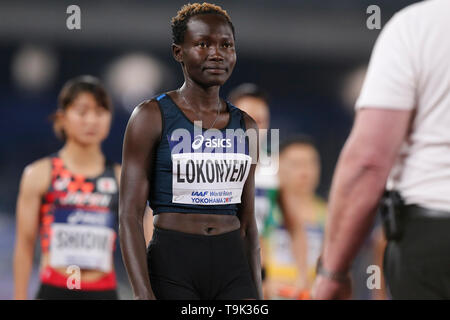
(327,289)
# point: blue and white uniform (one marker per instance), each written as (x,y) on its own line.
(199,171)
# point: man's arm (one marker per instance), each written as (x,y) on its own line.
(246,214)
(141,137)
(358,183)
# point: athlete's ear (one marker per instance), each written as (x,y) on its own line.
(177,52)
(58,123)
(58,116)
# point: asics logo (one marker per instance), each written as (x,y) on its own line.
(197,143)
(210,143)
(87,217)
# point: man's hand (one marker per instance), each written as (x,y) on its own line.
(327,289)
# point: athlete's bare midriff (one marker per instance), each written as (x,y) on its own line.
(86,275)
(197,223)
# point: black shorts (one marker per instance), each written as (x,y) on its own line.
(185,266)
(48,292)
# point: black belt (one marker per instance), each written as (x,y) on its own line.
(415,211)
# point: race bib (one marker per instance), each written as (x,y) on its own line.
(86,246)
(209,178)
(210,167)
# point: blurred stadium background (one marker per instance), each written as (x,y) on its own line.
(310,56)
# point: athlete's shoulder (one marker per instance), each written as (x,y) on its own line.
(145,125)
(38,166)
(146,108)
(145,113)
(36,175)
(151,109)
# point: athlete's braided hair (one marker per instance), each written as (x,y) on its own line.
(188,11)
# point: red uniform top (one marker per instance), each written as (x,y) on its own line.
(78,225)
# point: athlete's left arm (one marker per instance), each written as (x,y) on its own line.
(246,212)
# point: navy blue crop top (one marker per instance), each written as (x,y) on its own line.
(197,170)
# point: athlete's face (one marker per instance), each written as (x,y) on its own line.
(299,168)
(256,108)
(85,120)
(208,54)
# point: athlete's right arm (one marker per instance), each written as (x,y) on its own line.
(35,181)
(142,135)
